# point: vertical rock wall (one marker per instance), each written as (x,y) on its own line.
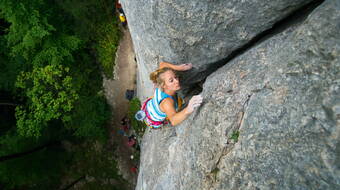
(282,97)
(200,32)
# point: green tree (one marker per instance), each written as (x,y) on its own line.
(101,31)
(51,86)
(42,38)
(46,53)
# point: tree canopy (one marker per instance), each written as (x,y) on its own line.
(53,56)
(46,50)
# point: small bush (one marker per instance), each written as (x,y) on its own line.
(235,135)
(139,127)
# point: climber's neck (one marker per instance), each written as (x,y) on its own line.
(170,92)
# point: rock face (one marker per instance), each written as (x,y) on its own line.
(282,97)
(200,32)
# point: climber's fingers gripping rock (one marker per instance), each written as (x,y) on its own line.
(194,102)
(185,66)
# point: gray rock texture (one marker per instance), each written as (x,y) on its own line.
(200,32)
(282,96)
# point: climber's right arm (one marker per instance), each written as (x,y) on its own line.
(176,118)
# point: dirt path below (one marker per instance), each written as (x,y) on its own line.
(124,79)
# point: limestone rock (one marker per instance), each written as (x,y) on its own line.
(282,96)
(200,32)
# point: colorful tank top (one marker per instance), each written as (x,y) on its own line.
(153,106)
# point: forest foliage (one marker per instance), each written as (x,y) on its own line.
(52,57)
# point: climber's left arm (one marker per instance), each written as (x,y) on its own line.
(181,67)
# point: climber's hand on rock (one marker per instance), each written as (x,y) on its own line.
(185,66)
(194,102)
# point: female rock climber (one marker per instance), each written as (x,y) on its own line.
(165,105)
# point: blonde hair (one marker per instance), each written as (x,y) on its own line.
(155,76)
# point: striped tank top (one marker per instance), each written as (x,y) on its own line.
(153,106)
